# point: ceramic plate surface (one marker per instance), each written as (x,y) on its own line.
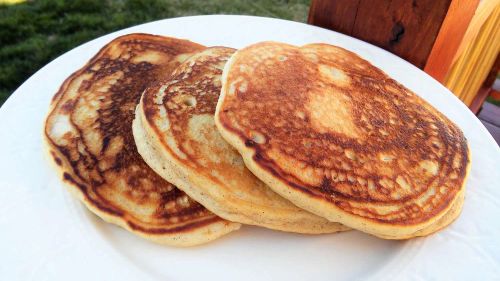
(46,234)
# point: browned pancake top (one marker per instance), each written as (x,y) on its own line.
(90,132)
(192,91)
(328,123)
(178,121)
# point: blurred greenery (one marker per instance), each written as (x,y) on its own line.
(35,32)
(492,100)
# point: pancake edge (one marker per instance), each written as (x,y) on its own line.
(322,207)
(193,234)
(166,166)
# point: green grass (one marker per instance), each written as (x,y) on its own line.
(34,33)
(493,101)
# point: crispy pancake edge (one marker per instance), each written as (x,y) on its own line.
(191,234)
(321,207)
(186,236)
(148,140)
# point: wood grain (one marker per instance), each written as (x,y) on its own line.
(338,15)
(450,36)
(483,11)
(469,72)
(407,28)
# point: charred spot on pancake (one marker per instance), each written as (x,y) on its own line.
(249,142)
(68,177)
(68,106)
(58,161)
(105,143)
(56,158)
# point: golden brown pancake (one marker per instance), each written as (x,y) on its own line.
(335,135)
(175,133)
(89,135)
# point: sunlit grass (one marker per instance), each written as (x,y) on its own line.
(32,33)
(10,2)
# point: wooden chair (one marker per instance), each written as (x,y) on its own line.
(431,34)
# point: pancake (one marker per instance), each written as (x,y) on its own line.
(175,133)
(88,133)
(336,136)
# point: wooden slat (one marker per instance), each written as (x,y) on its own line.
(338,15)
(472,67)
(407,28)
(483,11)
(450,36)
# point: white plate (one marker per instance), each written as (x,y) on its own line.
(45,234)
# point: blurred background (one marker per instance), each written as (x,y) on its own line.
(32,33)
(455,41)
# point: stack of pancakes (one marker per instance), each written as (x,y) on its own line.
(181,144)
